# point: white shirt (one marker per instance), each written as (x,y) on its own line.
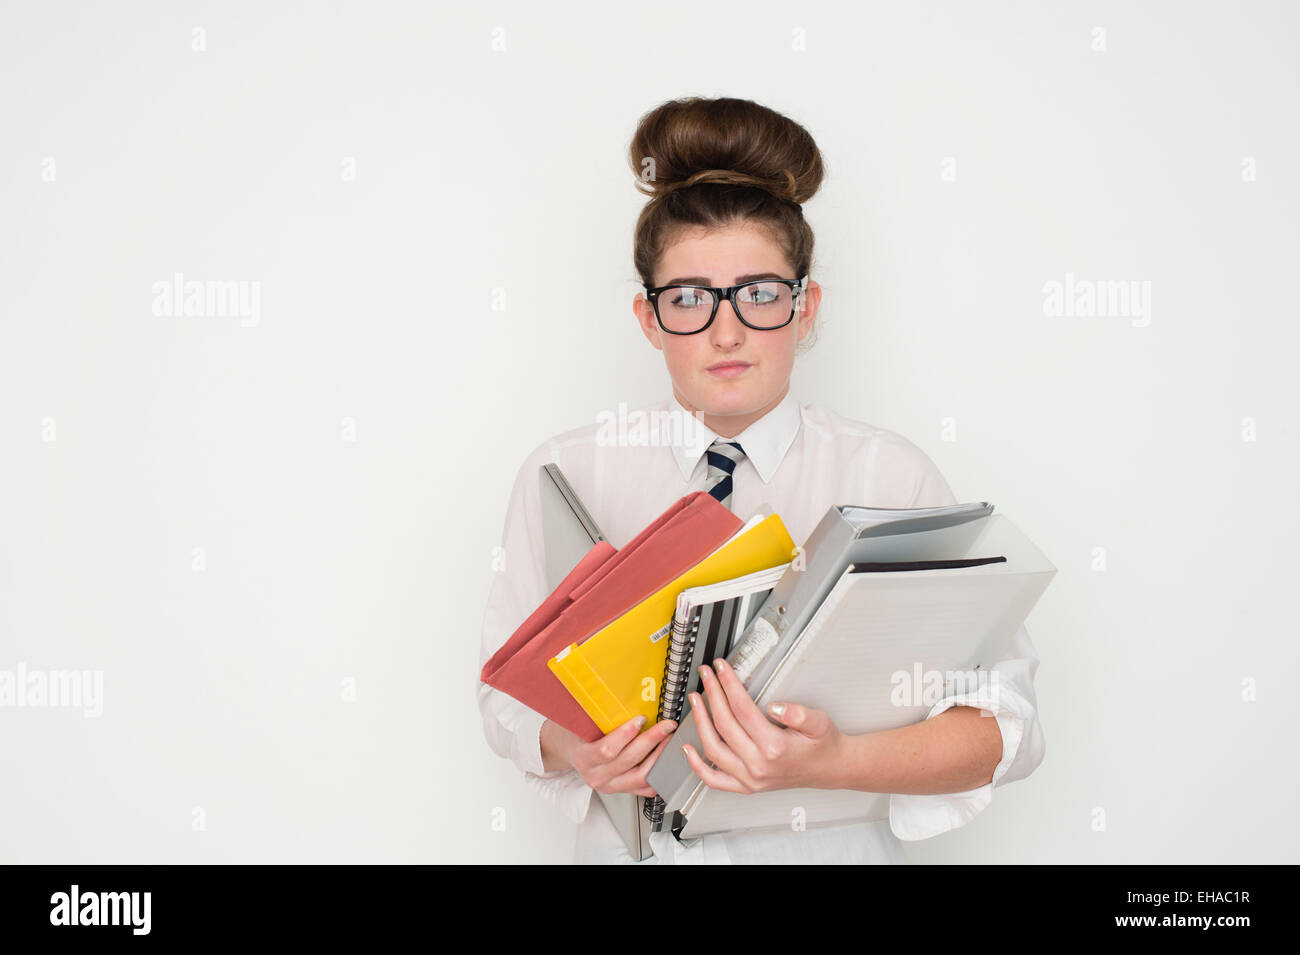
(800,459)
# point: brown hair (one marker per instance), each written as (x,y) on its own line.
(711,163)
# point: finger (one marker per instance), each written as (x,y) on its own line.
(597,754)
(724,718)
(711,745)
(621,785)
(713,778)
(638,748)
(615,786)
(635,779)
(811,723)
(746,711)
(617,740)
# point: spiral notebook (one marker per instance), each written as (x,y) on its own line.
(706,625)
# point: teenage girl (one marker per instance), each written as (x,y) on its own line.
(724,253)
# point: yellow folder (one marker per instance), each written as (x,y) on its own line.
(617,672)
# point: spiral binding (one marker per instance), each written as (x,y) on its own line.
(671,701)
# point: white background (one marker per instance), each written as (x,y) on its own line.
(478,169)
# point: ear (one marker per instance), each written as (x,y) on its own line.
(645,317)
(809,303)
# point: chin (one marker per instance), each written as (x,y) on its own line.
(723,398)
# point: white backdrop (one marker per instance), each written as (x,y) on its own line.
(265,522)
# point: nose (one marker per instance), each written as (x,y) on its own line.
(727,330)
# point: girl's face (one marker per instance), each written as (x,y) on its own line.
(728,400)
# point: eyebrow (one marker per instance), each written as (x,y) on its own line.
(740,279)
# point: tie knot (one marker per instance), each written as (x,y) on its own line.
(722,457)
(731,450)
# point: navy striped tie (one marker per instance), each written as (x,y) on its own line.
(722,457)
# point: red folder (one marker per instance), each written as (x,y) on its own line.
(605,584)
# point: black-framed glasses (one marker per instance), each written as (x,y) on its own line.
(764,305)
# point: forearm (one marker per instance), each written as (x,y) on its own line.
(953,752)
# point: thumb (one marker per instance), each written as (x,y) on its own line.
(807,721)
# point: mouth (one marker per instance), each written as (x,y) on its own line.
(728,369)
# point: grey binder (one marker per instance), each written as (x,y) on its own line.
(845,535)
(568,532)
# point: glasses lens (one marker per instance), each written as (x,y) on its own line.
(765,304)
(685,309)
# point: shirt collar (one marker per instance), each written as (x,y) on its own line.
(765,442)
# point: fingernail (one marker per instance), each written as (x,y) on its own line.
(778,709)
(669,726)
(640,721)
(720,665)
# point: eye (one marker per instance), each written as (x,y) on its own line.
(763,294)
(689,297)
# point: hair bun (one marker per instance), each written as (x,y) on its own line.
(688,142)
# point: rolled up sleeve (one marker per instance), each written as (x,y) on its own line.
(1008,696)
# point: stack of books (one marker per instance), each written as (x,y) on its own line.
(873,593)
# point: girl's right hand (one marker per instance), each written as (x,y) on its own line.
(619,761)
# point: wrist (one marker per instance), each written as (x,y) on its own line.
(554,742)
(850,763)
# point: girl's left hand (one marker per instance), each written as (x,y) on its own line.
(750,752)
